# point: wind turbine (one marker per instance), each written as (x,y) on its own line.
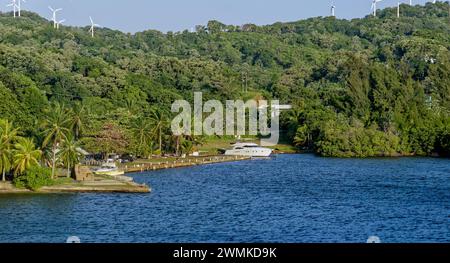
(374,6)
(19,6)
(55,22)
(93,25)
(14,5)
(59,23)
(410,2)
(398,9)
(333,9)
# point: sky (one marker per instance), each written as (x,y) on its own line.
(177,15)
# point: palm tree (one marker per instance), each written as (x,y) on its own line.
(176,141)
(142,129)
(151,147)
(7,137)
(70,154)
(5,159)
(55,130)
(25,155)
(77,122)
(302,137)
(196,139)
(159,122)
(294,120)
(187,147)
(294,117)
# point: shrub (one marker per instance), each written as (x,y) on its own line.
(34,178)
(340,139)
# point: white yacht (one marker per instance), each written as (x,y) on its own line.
(248,149)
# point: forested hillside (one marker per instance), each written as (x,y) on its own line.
(365,87)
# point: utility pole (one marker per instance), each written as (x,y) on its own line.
(244,75)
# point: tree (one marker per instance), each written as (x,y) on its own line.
(215,27)
(5,159)
(302,137)
(56,130)
(187,147)
(293,120)
(111,139)
(25,155)
(10,107)
(78,120)
(159,122)
(70,153)
(142,130)
(8,135)
(177,140)
(391,76)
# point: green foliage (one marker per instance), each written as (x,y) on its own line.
(111,138)
(10,106)
(56,125)
(34,178)
(8,137)
(443,138)
(69,153)
(386,78)
(342,139)
(142,132)
(25,155)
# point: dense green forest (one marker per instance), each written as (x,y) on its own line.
(377,86)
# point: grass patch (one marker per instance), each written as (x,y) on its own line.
(63,180)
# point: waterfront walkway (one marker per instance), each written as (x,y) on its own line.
(100,185)
(149,165)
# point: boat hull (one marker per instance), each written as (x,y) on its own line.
(255,152)
(110,173)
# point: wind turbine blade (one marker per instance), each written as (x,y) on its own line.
(51,9)
(92,21)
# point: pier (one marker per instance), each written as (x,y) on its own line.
(88,183)
(149,165)
(97,186)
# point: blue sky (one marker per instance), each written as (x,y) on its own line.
(176,15)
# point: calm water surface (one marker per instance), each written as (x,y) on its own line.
(290,198)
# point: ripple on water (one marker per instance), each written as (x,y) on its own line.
(291,198)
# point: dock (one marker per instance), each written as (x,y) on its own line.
(97,186)
(103,186)
(150,165)
(88,183)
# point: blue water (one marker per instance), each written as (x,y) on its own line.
(290,198)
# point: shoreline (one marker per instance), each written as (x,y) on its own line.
(148,165)
(100,185)
(110,185)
